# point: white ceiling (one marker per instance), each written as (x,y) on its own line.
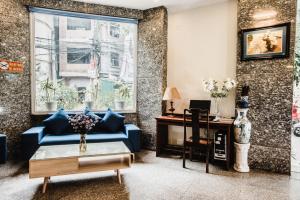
(172,5)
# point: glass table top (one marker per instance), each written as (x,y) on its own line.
(72,150)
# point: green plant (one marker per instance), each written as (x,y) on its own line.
(48,87)
(106,101)
(123,91)
(67,96)
(92,93)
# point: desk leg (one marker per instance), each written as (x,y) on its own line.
(228,147)
(161,138)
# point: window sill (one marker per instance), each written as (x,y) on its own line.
(77,112)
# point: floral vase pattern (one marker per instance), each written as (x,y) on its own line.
(242,127)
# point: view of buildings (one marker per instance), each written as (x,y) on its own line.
(89,60)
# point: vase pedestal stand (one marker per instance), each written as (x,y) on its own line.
(241,157)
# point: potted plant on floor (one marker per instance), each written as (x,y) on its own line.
(123,93)
(49,89)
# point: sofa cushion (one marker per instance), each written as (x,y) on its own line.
(57,123)
(51,139)
(90,113)
(112,122)
(98,126)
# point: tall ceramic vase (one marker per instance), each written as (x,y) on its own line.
(242,133)
(242,127)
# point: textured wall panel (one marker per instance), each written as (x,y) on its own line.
(152,71)
(271,83)
(14,92)
(76,6)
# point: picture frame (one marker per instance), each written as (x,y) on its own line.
(265,42)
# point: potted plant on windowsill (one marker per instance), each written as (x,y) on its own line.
(91,94)
(123,93)
(48,87)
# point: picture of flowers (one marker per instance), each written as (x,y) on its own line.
(266,42)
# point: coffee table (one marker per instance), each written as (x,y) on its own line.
(56,160)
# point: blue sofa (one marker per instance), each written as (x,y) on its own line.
(37,136)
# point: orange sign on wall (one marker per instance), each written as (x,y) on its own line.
(11,66)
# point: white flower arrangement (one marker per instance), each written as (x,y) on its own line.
(219,90)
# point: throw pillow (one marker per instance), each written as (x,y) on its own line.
(112,121)
(98,125)
(88,112)
(57,123)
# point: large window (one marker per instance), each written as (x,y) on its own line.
(79,62)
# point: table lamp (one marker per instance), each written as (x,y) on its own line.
(171,94)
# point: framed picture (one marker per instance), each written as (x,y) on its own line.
(266,43)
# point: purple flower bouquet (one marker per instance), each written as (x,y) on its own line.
(82,124)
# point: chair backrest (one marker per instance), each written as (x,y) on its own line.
(196,115)
(200,104)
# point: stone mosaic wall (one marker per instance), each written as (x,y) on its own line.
(271,83)
(14,45)
(152,77)
(14,91)
(76,6)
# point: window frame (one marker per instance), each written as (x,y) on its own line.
(33,65)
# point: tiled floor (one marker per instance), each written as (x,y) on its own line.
(153,178)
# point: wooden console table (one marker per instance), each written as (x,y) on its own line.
(163,122)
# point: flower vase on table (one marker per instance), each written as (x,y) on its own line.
(82,124)
(217,110)
(218,92)
(82,143)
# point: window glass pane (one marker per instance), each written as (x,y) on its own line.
(78,23)
(115,30)
(114,59)
(78,56)
(83,62)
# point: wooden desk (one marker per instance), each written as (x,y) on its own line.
(163,122)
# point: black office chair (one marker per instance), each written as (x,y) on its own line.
(196,141)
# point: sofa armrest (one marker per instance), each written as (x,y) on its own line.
(30,141)
(134,136)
